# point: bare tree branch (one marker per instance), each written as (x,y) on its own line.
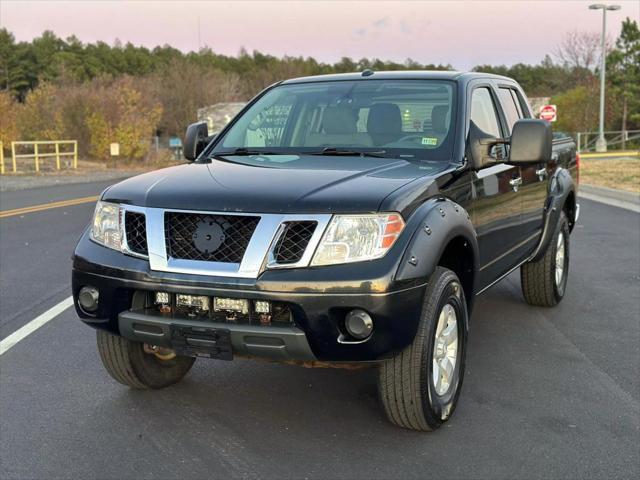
(580,50)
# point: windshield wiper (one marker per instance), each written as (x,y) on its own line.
(347,152)
(247,151)
(328,151)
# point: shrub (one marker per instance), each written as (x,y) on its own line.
(8,118)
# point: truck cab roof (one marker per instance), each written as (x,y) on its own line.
(398,75)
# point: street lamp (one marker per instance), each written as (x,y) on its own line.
(601,143)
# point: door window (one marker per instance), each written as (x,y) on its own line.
(483,112)
(517,98)
(510,107)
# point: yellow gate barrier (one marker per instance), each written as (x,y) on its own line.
(37,155)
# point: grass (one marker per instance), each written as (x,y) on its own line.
(620,174)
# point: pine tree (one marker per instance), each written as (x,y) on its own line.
(623,64)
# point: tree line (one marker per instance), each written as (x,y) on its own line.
(53,88)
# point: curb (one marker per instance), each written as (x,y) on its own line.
(619,154)
(611,196)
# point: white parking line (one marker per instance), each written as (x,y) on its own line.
(34,325)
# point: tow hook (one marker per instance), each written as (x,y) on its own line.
(160,352)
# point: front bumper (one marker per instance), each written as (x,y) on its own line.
(276,343)
(318,300)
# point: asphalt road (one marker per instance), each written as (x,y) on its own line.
(549,393)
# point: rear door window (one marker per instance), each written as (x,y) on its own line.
(517,98)
(510,106)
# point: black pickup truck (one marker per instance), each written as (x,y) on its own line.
(337,220)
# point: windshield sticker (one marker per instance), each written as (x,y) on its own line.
(429,141)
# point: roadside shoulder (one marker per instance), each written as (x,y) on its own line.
(611,196)
(26,182)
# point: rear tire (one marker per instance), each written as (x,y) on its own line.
(410,393)
(544,281)
(128,363)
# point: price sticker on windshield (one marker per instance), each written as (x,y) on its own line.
(429,141)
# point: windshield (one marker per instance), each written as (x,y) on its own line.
(411,119)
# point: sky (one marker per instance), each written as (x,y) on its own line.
(460,33)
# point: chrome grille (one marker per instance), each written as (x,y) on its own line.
(208,237)
(136,232)
(247,249)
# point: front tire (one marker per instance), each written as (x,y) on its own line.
(544,281)
(137,366)
(420,386)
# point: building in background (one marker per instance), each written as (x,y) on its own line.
(219,114)
(537,103)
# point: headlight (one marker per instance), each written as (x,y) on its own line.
(353,238)
(106,225)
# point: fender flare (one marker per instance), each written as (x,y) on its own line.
(436,223)
(561,186)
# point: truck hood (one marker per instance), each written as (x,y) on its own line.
(278,184)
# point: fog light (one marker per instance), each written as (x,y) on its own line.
(358,323)
(262,306)
(239,305)
(197,301)
(88,299)
(163,298)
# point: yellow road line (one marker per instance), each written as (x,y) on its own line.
(47,206)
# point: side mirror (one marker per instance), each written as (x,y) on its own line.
(531,141)
(195,140)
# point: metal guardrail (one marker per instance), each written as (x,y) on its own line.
(586,141)
(38,154)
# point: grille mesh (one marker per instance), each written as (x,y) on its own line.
(293,241)
(136,230)
(188,236)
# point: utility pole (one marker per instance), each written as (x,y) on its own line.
(601,143)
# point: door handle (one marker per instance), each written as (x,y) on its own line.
(541,173)
(515,183)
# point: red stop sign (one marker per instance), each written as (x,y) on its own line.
(548,113)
